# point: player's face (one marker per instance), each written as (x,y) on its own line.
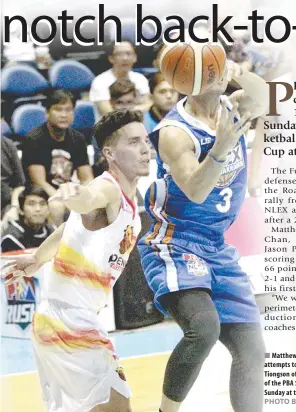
(35,211)
(132,151)
(123,57)
(126,101)
(61,115)
(164,96)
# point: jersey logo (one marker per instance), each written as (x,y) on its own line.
(117,262)
(235,163)
(128,241)
(195,265)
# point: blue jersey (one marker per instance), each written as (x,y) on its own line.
(174,215)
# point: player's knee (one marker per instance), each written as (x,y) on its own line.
(256,354)
(203,330)
(252,355)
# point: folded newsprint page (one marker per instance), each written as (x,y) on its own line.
(148,206)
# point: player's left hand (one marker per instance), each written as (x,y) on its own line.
(66,192)
(18,266)
(233,70)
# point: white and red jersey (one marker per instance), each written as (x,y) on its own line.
(88,263)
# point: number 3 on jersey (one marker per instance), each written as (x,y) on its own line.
(226,195)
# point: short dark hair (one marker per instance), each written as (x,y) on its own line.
(59,96)
(155,80)
(112,122)
(121,87)
(112,44)
(31,191)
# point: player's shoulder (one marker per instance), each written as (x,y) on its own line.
(108,184)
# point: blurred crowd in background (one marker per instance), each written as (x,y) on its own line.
(50,104)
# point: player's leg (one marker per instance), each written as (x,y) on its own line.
(246,345)
(240,333)
(196,315)
(116,403)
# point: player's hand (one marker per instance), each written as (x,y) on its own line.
(228,132)
(234,70)
(18,266)
(66,192)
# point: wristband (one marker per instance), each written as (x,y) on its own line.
(13,206)
(216,160)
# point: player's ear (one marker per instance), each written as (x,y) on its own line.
(108,153)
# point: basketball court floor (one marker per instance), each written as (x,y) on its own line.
(144,353)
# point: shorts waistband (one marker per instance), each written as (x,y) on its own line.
(197,239)
(66,305)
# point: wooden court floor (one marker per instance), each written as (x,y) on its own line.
(21,393)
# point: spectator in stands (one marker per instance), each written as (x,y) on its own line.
(164,97)
(12,181)
(16,51)
(32,227)
(44,60)
(122,59)
(53,151)
(122,96)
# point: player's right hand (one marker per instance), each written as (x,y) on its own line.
(66,191)
(228,132)
(18,266)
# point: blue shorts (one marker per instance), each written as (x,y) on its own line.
(183,265)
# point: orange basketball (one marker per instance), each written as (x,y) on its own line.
(193,68)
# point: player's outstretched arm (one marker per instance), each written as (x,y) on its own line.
(98,194)
(176,149)
(254,97)
(27,264)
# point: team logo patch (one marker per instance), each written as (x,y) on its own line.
(195,265)
(121,373)
(128,241)
(21,302)
(235,163)
(117,262)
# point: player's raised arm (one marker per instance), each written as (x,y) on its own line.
(254,96)
(176,149)
(83,199)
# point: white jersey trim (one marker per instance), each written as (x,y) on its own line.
(164,254)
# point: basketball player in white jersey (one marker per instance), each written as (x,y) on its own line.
(77,365)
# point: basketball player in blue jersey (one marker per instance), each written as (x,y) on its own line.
(196,278)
